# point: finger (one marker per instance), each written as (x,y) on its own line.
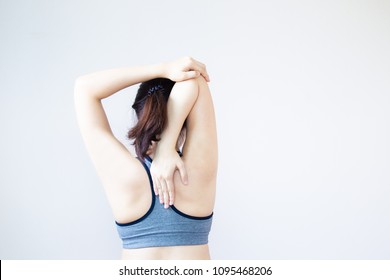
(154,182)
(159,190)
(192,64)
(164,190)
(183,173)
(171,192)
(206,75)
(190,75)
(199,66)
(166,200)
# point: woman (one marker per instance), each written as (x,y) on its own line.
(174,109)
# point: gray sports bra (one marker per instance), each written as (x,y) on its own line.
(164,227)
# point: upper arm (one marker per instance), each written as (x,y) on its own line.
(201,149)
(113,162)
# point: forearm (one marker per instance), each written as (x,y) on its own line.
(181,100)
(104,83)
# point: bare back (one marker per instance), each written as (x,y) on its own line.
(200,155)
(124,179)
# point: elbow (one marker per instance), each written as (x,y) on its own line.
(189,87)
(81,87)
(79,84)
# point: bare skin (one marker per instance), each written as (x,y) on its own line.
(124,179)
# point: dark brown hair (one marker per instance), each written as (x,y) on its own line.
(150,106)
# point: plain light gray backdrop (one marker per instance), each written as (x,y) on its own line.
(301,91)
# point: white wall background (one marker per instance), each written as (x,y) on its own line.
(301,90)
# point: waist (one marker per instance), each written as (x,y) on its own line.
(188,252)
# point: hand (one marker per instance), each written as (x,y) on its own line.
(184,69)
(162,170)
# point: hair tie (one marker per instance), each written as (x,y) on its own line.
(153,89)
